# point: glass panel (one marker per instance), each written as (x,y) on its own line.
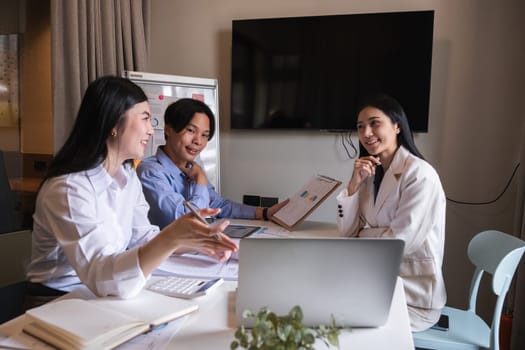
(13,213)
(9,80)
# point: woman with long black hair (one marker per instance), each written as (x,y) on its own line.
(394,193)
(91,219)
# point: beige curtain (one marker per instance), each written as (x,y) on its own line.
(91,38)
(518,321)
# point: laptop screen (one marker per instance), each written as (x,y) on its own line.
(351,279)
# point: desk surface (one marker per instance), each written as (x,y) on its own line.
(25,184)
(304,230)
(213,326)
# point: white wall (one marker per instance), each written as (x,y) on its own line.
(475,120)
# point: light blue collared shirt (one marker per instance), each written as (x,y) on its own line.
(166,187)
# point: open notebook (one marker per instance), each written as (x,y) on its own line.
(102,323)
(351,279)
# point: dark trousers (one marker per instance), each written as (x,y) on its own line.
(38,294)
(18,297)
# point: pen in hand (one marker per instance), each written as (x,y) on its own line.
(195,213)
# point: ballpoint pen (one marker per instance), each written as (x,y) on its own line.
(200,218)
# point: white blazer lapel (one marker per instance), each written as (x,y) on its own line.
(388,185)
(391,179)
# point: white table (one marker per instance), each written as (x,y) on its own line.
(213,325)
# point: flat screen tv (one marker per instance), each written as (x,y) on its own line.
(310,73)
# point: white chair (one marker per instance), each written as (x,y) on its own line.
(498,254)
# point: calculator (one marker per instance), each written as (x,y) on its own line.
(184,287)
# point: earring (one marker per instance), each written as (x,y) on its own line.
(114,133)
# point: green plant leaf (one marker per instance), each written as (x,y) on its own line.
(247,314)
(309,338)
(287,332)
(333,338)
(292,347)
(296,313)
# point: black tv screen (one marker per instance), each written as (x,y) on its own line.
(311,73)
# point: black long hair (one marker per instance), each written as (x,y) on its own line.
(181,112)
(103,108)
(393,109)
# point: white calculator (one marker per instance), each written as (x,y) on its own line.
(184,287)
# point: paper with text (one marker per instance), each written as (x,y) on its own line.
(199,266)
(304,201)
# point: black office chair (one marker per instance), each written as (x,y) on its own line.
(15,255)
(10,215)
(12,301)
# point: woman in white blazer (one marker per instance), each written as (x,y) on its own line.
(407,202)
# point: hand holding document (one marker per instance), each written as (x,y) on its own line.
(304,201)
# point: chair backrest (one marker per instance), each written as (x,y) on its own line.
(498,254)
(15,255)
(8,216)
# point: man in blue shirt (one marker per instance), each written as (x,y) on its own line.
(172,175)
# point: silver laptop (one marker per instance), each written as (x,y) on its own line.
(351,279)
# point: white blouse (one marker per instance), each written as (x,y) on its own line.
(87,229)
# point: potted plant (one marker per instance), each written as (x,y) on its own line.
(287,332)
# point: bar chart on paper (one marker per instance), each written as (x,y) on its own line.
(305,200)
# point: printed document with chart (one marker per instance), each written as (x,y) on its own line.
(304,201)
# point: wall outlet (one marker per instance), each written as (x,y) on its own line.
(250,199)
(259,201)
(269,201)
(40,166)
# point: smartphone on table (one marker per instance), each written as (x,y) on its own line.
(442,323)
